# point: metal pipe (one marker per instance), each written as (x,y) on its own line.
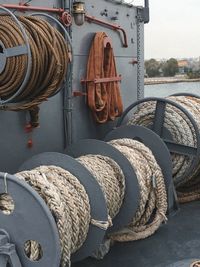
(146,3)
(33,8)
(109,25)
(146,11)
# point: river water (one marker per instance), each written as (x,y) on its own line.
(162,90)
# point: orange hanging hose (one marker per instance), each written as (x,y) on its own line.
(104,99)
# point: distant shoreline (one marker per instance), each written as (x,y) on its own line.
(163,80)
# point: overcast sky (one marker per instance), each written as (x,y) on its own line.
(174,29)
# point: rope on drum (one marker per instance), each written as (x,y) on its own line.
(182,132)
(50,57)
(69,202)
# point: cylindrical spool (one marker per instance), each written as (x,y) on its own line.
(158,148)
(163,132)
(132,193)
(96,197)
(30,220)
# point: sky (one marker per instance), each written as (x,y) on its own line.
(173,30)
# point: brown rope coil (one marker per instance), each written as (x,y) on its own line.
(104,99)
(182,132)
(50,58)
(69,202)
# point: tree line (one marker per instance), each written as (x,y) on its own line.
(167,68)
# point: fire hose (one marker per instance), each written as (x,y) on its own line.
(104,98)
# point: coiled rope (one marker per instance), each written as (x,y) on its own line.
(69,203)
(153,199)
(50,58)
(182,132)
(110,178)
(104,98)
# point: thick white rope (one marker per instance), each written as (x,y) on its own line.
(182,132)
(151,212)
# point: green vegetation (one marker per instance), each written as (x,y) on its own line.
(170,67)
(193,74)
(152,68)
(167,68)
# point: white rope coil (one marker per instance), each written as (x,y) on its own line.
(68,202)
(182,132)
(110,178)
(153,199)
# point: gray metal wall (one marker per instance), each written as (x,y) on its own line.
(50,135)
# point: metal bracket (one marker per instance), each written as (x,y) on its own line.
(103,80)
(8,254)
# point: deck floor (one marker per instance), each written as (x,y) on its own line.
(177,240)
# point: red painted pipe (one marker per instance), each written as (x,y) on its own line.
(110,25)
(33,8)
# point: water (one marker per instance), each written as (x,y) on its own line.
(162,90)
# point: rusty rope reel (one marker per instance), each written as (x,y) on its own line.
(34,72)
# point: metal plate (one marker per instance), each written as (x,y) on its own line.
(30,220)
(131,199)
(96,197)
(159,150)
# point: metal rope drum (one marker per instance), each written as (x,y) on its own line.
(131,198)
(159,150)
(13,52)
(29,219)
(48,72)
(97,201)
(150,183)
(158,128)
